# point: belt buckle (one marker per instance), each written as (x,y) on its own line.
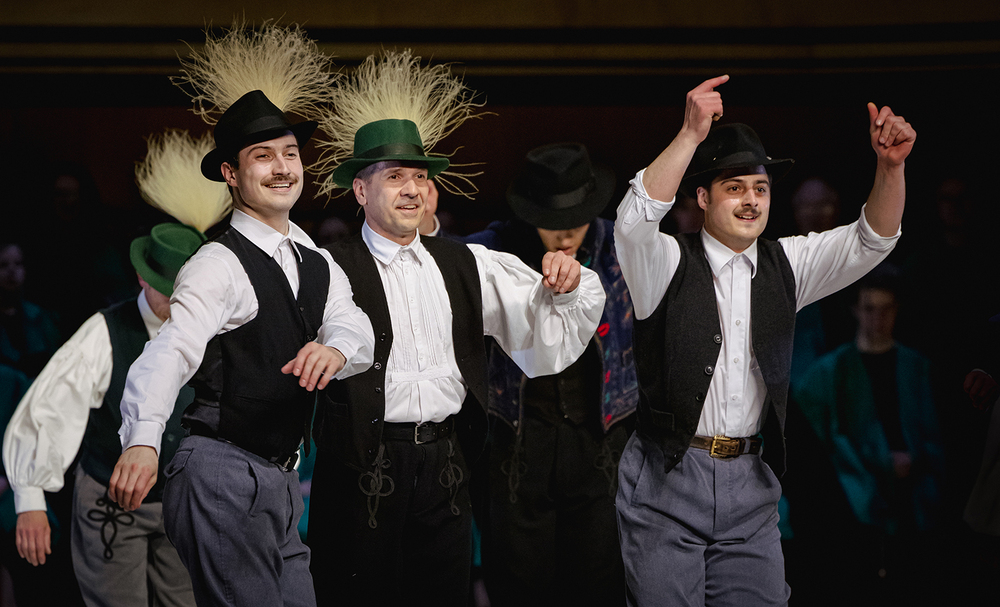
(416,434)
(724,447)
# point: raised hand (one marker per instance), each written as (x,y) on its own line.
(892,136)
(704,105)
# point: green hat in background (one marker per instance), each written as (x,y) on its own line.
(389,139)
(158,257)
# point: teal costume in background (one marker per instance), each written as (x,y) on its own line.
(836,397)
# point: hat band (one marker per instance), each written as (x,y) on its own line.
(392,149)
(164,272)
(569,199)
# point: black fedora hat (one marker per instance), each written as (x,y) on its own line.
(733,146)
(251,119)
(558,188)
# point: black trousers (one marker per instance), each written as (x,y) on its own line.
(552,533)
(399,534)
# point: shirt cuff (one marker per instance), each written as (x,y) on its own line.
(872,239)
(147,433)
(27,499)
(653,210)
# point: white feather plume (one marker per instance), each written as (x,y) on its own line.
(170,179)
(394,85)
(280,61)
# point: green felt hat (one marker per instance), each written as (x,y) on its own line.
(389,139)
(158,257)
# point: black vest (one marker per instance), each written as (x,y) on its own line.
(241,394)
(101,446)
(354,409)
(678,346)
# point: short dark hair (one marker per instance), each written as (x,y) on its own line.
(885,277)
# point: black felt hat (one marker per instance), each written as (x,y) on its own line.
(251,119)
(732,146)
(558,188)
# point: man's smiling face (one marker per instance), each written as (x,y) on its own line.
(736,206)
(394,199)
(268,181)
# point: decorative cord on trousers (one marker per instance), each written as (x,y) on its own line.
(376,480)
(606,461)
(513,467)
(451,478)
(109,515)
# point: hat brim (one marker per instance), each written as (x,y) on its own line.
(570,217)
(138,252)
(211,164)
(776,168)
(343,175)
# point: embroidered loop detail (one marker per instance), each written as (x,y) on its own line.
(513,467)
(109,515)
(607,462)
(375,481)
(451,478)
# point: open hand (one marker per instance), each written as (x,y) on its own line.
(33,536)
(315,365)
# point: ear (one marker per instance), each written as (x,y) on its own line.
(229,173)
(702,194)
(359,191)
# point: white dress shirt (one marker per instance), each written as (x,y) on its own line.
(48,426)
(213,295)
(542,332)
(821,263)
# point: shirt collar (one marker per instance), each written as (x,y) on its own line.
(265,237)
(386,250)
(151,320)
(719,254)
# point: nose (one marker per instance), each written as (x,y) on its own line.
(409,188)
(279,166)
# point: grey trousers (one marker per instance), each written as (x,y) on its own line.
(123,559)
(234,519)
(706,533)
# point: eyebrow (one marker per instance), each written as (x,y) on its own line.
(270,148)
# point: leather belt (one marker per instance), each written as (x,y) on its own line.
(285,462)
(723,447)
(419,434)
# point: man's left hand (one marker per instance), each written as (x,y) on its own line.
(560,272)
(315,365)
(892,136)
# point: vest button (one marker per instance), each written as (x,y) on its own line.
(302,308)
(377,366)
(717,338)
(375,421)
(709,370)
(378,390)
(381,337)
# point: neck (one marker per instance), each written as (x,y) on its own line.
(874,344)
(277,221)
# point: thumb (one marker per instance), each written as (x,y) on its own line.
(872,114)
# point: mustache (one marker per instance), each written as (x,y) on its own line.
(291,178)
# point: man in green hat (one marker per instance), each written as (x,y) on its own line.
(73,407)
(391,518)
(260,320)
(715,311)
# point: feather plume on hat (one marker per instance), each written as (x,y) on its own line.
(170,180)
(394,86)
(280,61)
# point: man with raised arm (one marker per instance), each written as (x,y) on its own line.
(715,311)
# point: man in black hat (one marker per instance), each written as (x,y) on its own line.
(551,535)
(390,510)
(269,319)
(697,507)
(73,406)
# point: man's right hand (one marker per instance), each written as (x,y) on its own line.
(134,476)
(704,105)
(33,536)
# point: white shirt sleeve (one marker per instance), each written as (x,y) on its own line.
(207,300)
(345,326)
(648,257)
(825,262)
(542,332)
(46,430)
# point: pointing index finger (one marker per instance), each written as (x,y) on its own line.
(711,83)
